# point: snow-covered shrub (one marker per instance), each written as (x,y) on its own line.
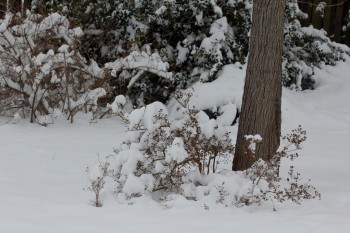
(42,70)
(194,37)
(97,179)
(190,156)
(134,69)
(267,183)
(167,156)
(304,49)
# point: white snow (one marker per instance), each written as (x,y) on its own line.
(320,8)
(133,185)
(118,103)
(142,61)
(182,54)
(161,10)
(226,90)
(42,170)
(253,139)
(176,151)
(4,25)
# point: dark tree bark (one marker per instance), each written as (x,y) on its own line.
(3,6)
(15,5)
(338,22)
(306,8)
(261,104)
(328,16)
(26,4)
(347,34)
(316,20)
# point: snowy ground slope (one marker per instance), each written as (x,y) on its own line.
(42,176)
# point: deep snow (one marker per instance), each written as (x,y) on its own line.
(42,175)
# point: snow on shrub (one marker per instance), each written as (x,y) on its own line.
(41,67)
(304,49)
(169,152)
(193,38)
(190,157)
(220,99)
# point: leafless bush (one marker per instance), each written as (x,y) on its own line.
(276,188)
(42,70)
(97,183)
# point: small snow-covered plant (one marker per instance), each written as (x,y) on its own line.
(222,193)
(42,69)
(268,184)
(97,180)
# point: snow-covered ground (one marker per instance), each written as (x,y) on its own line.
(42,175)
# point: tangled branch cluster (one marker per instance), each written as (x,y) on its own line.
(267,184)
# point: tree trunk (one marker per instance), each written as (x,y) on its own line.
(307,8)
(328,17)
(261,104)
(347,9)
(316,20)
(338,22)
(3,5)
(26,4)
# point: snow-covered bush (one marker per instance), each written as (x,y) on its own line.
(268,185)
(97,180)
(42,70)
(132,70)
(190,157)
(194,37)
(304,49)
(166,156)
